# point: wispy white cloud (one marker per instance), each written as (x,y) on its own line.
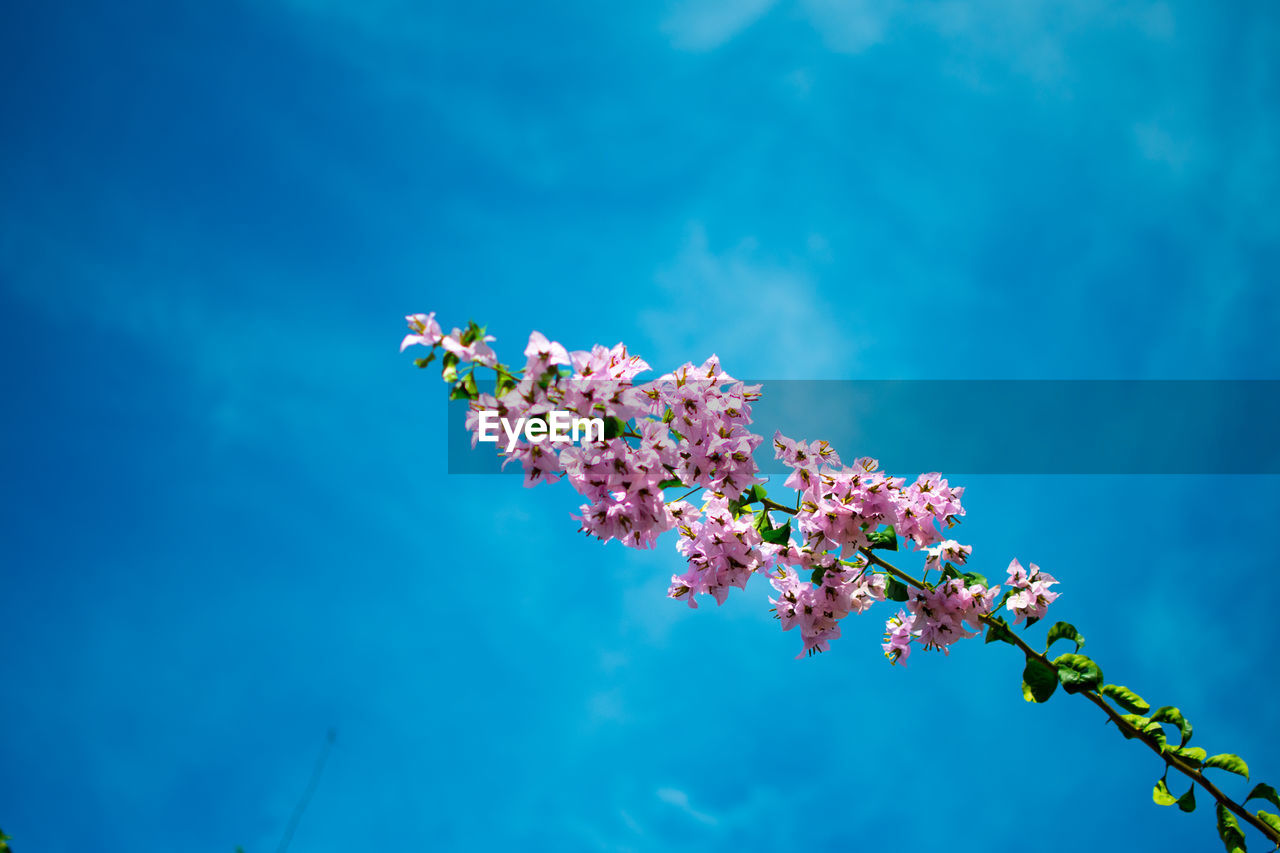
(764,317)
(702,25)
(1160,145)
(680,800)
(851,26)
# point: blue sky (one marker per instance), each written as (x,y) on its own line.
(227,526)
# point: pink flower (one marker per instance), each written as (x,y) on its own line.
(477,351)
(1031,597)
(542,354)
(603,363)
(947,551)
(898,634)
(426,331)
(723,552)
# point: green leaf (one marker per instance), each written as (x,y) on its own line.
(778,535)
(1231,763)
(1265,792)
(885,540)
(464,389)
(1229,831)
(755,494)
(1155,731)
(1192,754)
(998,631)
(472,334)
(548,376)
(1137,721)
(1031,621)
(1064,631)
(449,368)
(1077,673)
(763,522)
(1270,820)
(1187,802)
(1125,698)
(1170,714)
(417,362)
(971,578)
(1144,727)
(1161,795)
(504,383)
(895,590)
(669,484)
(614,427)
(1038,681)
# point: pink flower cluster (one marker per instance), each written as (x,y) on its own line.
(723,551)
(817,610)
(622,484)
(425,331)
(842,505)
(690,430)
(714,448)
(595,383)
(1031,597)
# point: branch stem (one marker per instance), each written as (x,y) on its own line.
(1124,725)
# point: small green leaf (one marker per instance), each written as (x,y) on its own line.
(505,383)
(472,334)
(1161,795)
(1138,722)
(614,427)
(895,590)
(1270,820)
(1170,714)
(1231,763)
(1031,621)
(1265,792)
(1144,727)
(1187,802)
(670,484)
(1077,673)
(777,536)
(464,389)
(763,522)
(755,494)
(549,376)
(971,578)
(1038,681)
(885,540)
(1155,731)
(1063,631)
(1229,831)
(1191,754)
(449,367)
(420,362)
(1125,698)
(998,632)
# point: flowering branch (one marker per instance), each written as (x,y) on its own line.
(688,430)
